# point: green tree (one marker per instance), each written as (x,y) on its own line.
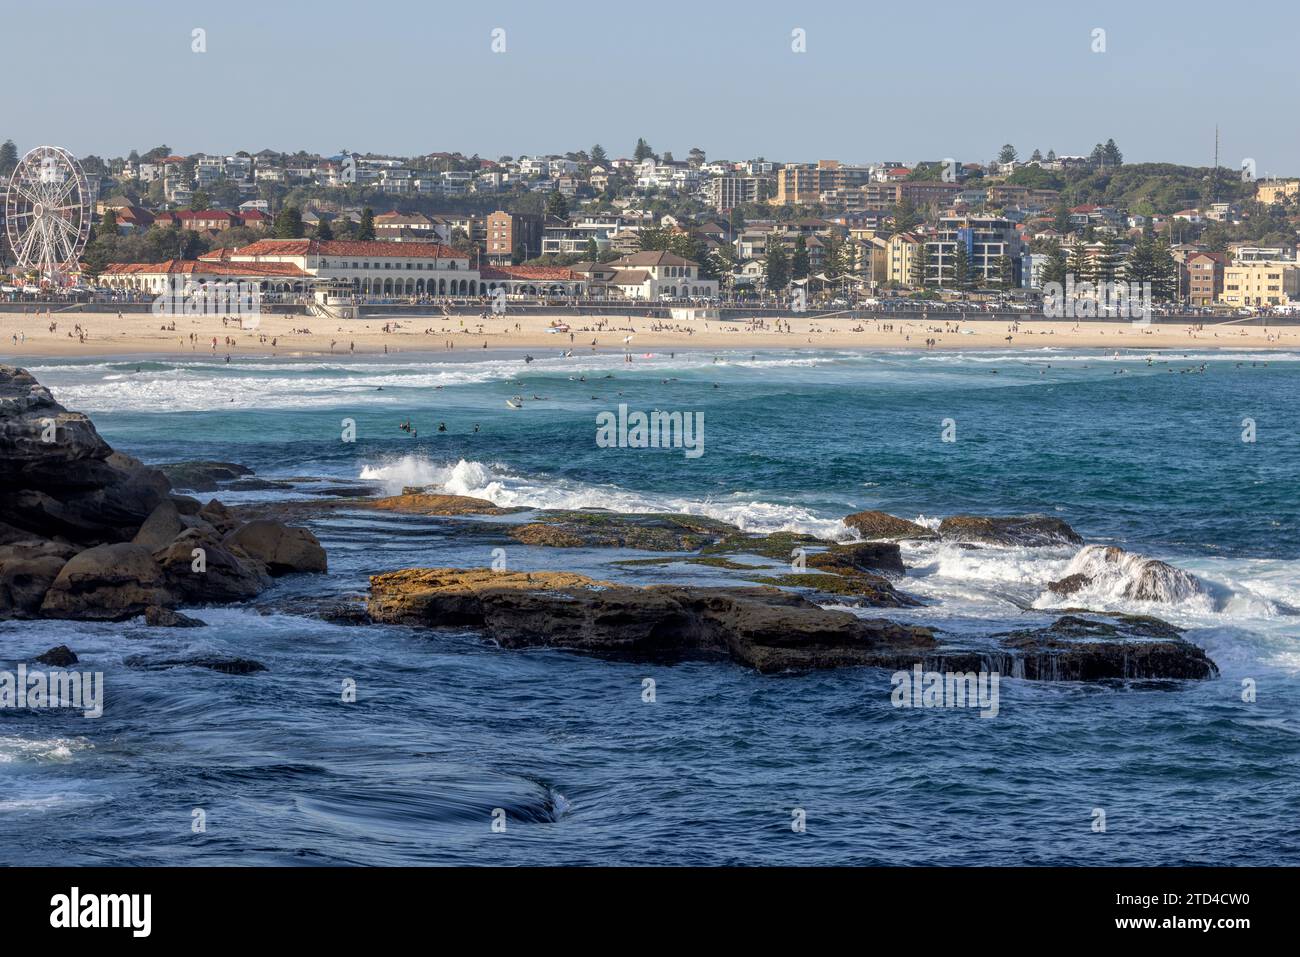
(289,225)
(1061,219)
(1004,273)
(8,157)
(598,155)
(324,231)
(961,267)
(200,201)
(1080,266)
(556,205)
(1106,264)
(1111,156)
(1056,267)
(642,151)
(799,260)
(591,251)
(776,262)
(366,229)
(906,217)
(1007,154)
(106,229)
(920,271)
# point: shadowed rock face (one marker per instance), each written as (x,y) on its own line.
(1023,530)
(89,533)
(763,628)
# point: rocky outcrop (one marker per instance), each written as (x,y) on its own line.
(106,583)
(228,666)
(90,533)
(764,628)
(27,570)
(881,526)
(1125,575)
(1023,530)
(281,548)
(156,617)
(883,557)
(60,656)
(203,476)
(651,532)
(417,502)
(1077,648)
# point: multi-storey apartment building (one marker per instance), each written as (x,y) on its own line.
(986,240)
(802,183)
(1260,283)
(510,234)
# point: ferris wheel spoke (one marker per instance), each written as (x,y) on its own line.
(18,187)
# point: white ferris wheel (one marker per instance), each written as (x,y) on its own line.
(47,213)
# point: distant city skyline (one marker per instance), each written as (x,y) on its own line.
(405,78)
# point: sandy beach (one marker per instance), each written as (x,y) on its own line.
(99,334)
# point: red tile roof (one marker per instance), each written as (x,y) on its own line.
(349,247)
(208,268)
(554,273)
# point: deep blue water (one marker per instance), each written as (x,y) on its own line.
(447,727)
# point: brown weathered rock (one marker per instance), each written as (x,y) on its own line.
(414,502)
(106,583)
(764,628)
(27,571)
(224,574)
(281,548)
(872,525)
(163,525)
(1024,530)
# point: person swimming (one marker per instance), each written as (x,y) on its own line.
(442,426)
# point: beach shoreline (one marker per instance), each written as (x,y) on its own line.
(27,336)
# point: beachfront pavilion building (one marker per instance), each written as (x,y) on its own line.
(370,267)
(532,281)
(651,274)
(159,278)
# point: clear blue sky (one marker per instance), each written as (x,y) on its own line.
(902,80)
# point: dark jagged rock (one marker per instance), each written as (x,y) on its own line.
(1074,648)
(156,617)
(884,557)
(882,526)
(1068,585)
(844,585)
(90,533)
(1023,530)
(228,666)
(203,476)
(60,656)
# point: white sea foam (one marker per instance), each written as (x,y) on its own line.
(506,488)
(16,748)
